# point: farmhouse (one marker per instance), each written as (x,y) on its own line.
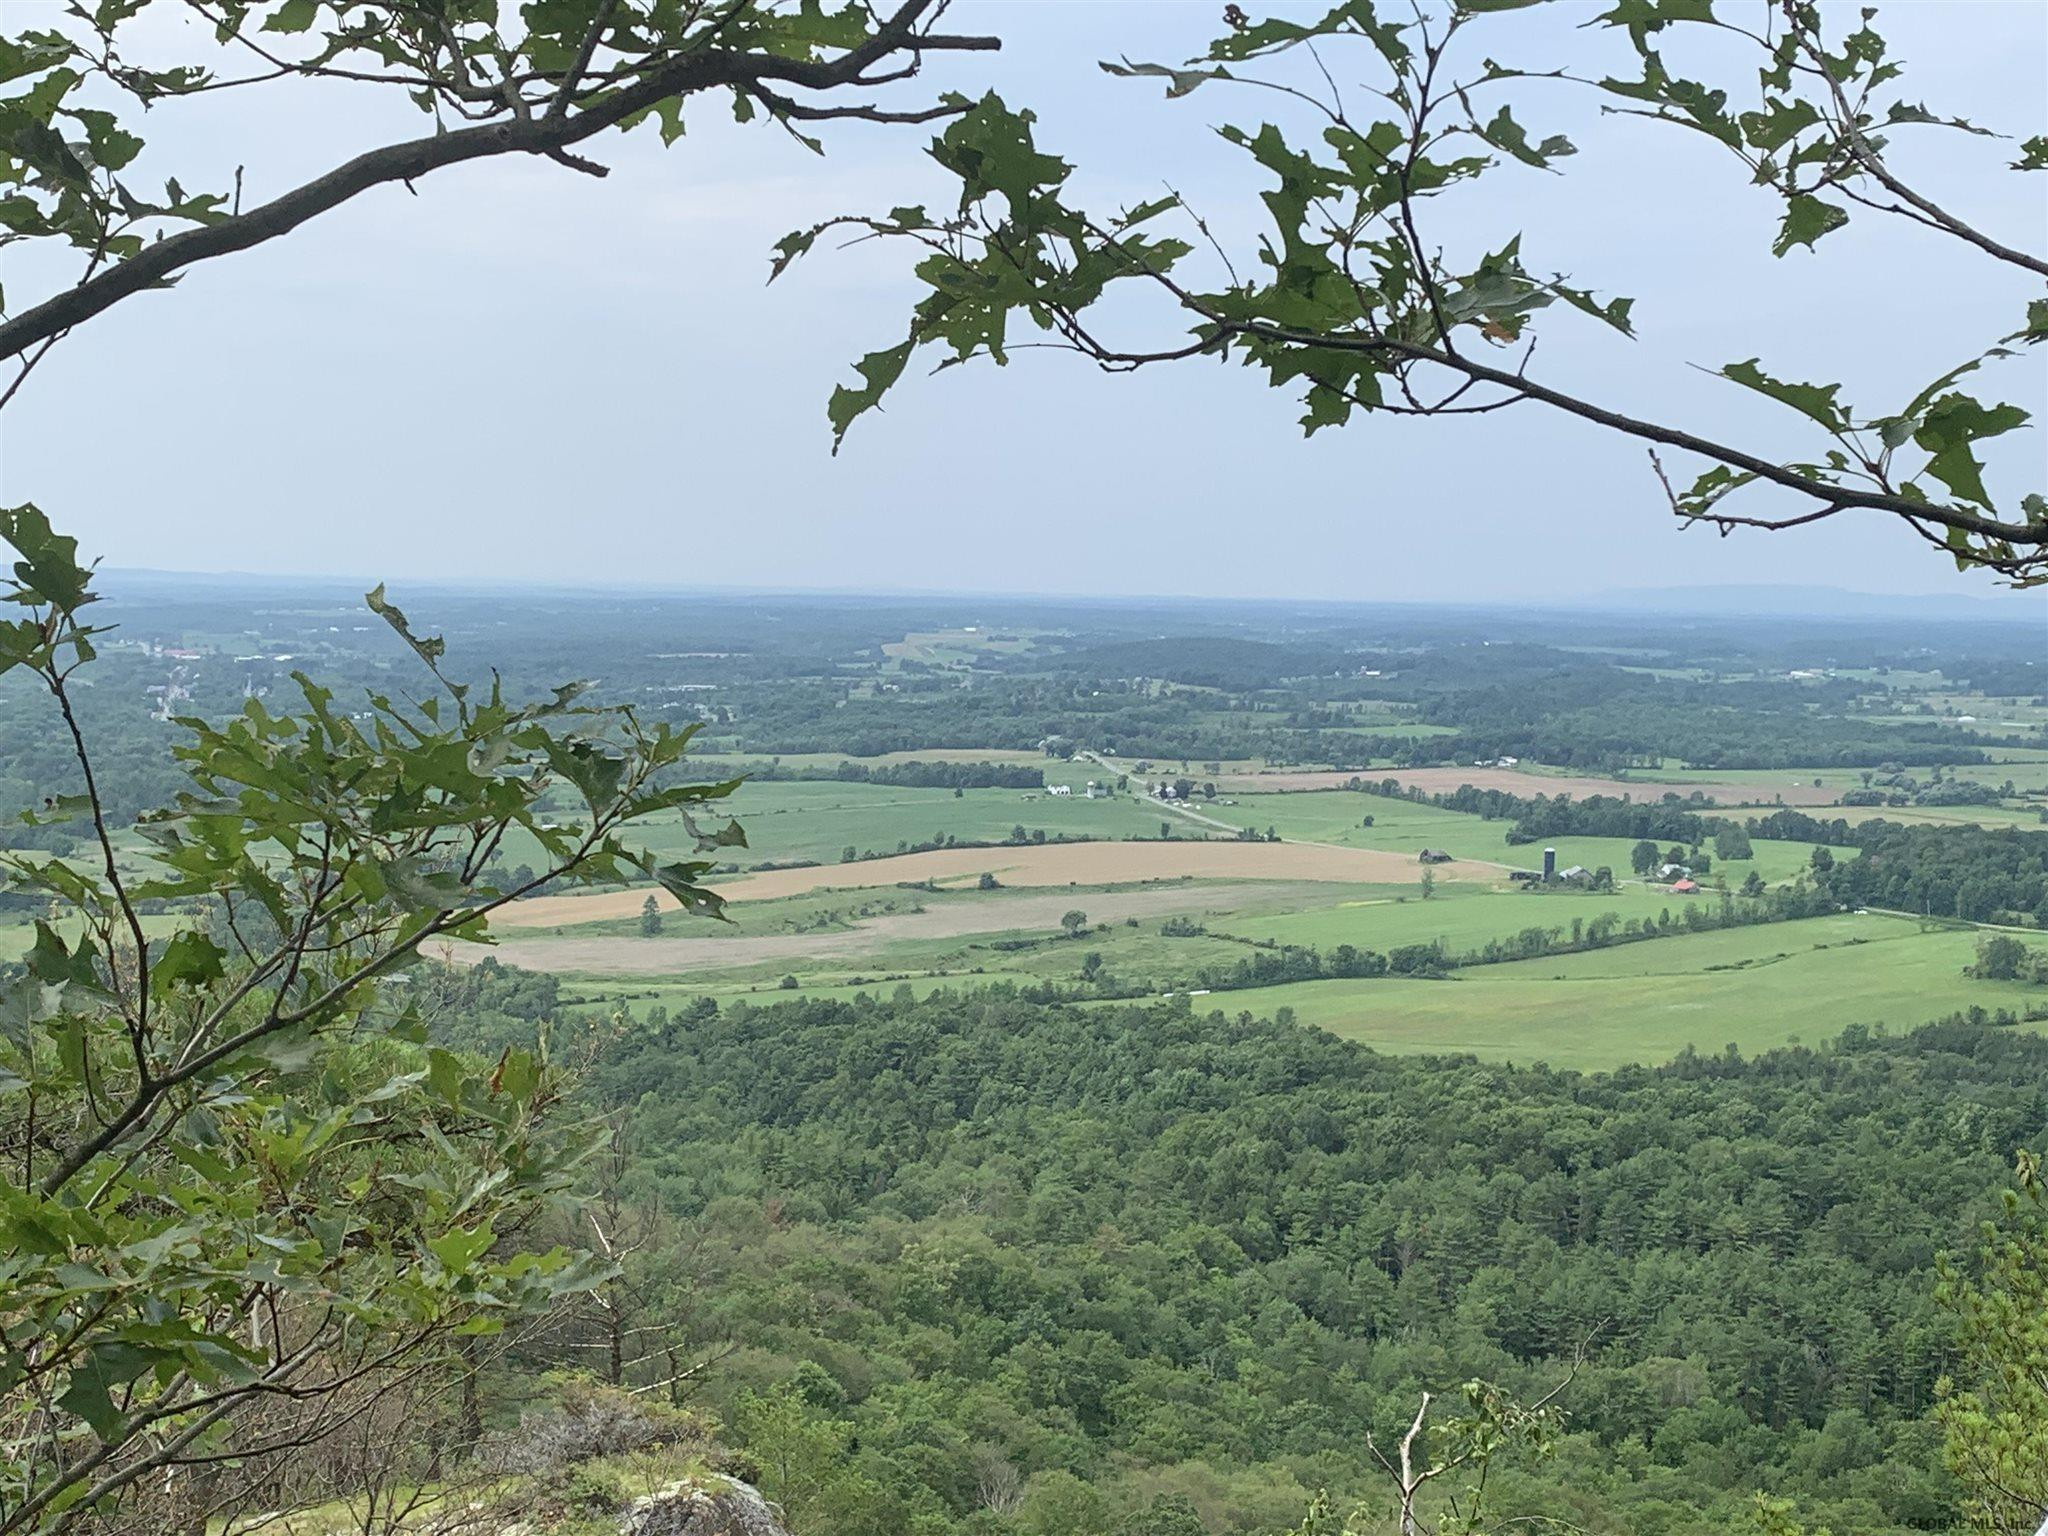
(1060,789)
(1685,887)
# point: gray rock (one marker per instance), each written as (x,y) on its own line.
(724,1507)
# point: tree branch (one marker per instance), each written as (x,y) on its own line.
(706,69)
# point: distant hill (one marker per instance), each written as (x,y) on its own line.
(1804,602)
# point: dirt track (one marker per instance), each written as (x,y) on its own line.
(1446,780)
(1048,864)
(633,956)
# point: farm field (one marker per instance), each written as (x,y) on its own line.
(1459,917)
(957,647)
(918,928)
(895,930)
(1081,864)
(716,764)
(2021,815)
(1338,817)
(1754,988)
(819,820)
(1729,788)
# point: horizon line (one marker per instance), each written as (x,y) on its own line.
(1998,607)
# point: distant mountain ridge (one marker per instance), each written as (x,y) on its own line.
(1761,599)
(1795,601)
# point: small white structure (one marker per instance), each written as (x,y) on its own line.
(1061,789)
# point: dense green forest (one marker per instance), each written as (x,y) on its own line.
(1141,1251)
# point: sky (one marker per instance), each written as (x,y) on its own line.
(525,374)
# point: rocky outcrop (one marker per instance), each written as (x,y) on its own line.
(713,1508)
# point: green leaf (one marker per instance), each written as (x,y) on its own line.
(2036,328)
(53,962)
(446,1073)
(56,810)
(459,1248)
(293,16)
(430,649)
(190,959)
(517,1076)
(1504,133)
(48,570)
(878,370)
(423,888)
(1771,130)
(595,769)
(790,247)
(680,881)
(1948,431)
(1614,312)
(1816,401)
(105,1368)
(1806,219)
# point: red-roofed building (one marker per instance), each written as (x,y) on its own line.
(1685,887)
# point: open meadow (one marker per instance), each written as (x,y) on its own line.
(1755,989)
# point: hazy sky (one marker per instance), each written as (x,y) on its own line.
(526,373)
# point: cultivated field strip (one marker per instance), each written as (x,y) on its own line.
(1048,864)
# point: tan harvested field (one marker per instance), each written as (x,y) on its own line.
(606,955)
(1047,864)
(1443,781)
(714,762)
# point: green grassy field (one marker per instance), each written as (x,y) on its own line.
(1754,988)
(818,820)
(2021,815)
(1338,816)
(1462,918)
